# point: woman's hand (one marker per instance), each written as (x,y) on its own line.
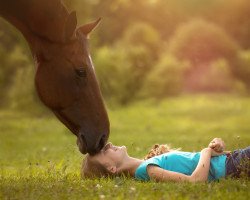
(218,146)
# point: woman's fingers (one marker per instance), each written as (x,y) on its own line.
(211,145)
(217,153)
(218,148)
(217,144)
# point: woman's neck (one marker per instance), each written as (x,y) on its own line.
(130,165)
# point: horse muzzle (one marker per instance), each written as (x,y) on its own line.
(90,143)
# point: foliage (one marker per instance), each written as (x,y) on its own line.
(214,77)
(166,78)
(219,77)
(122,68)
(166,16)
(40,160)
(135,35)
(233,17)
(118,74)
(83,12)
(243,67)
(202,42)
(212,54)
(9,70)
(144,35)
(22,94)
(113,71)
(12,57)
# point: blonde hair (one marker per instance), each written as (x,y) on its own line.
(159,149)
(93,169)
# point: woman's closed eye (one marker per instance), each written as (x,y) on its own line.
(109,146)
(111,149)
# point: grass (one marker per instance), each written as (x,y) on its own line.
(39,158)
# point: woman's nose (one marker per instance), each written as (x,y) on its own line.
(108,145)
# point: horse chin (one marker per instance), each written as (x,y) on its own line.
(96,151)
(82,150)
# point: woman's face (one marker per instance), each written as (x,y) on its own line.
(111,154)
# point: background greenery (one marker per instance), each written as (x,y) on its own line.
(171,71)
(147,48)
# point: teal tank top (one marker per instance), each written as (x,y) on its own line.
(182,162)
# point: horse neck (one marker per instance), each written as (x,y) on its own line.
(34,19)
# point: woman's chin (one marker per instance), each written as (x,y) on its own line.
(124,148)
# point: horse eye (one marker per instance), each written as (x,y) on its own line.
(81,72)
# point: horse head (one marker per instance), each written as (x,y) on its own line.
(66,83)
(65,77)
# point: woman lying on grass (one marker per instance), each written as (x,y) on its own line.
(212,163)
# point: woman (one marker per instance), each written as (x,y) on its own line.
(208,165)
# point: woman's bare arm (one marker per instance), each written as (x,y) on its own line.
(200,174)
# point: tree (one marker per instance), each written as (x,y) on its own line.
(14,54)
(165,79)
(202,42)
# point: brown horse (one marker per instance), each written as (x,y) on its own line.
(65,79)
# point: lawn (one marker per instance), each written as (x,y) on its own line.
(39,158)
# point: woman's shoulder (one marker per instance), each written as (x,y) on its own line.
(141,171)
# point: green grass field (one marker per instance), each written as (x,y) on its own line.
(39,158)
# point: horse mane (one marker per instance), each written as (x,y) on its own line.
(45,18)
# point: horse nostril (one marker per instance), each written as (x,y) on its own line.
(93,145)
(102,141)
(83,139)
(82,136)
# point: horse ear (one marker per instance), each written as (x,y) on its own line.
(87,28)
(70,25)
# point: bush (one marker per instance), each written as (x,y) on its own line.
(242,70)
(22,95)
(144,35)
(14,55)
(165,79)
(21,92)
(218,77)
(122,68)
(202,42)
(113,71)
(11,62)
(18,88)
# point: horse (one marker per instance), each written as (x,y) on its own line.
(65,78)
